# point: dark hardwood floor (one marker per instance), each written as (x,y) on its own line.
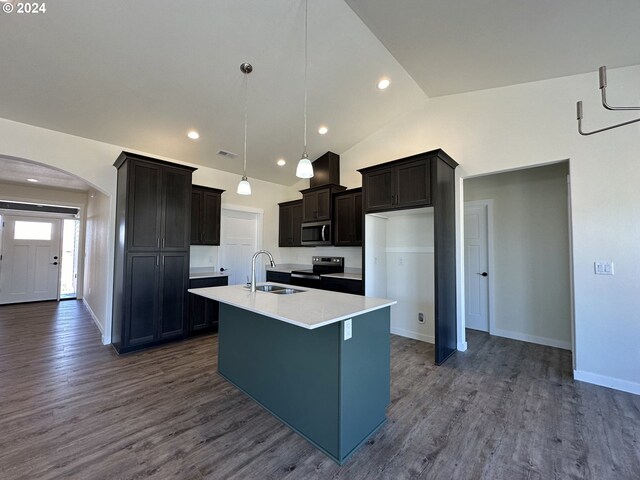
(71,408)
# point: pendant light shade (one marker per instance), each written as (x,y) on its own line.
(305,169)
(244,188)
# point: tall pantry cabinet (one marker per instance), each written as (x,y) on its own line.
(153,230)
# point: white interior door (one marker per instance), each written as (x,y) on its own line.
(238,242)
(29,269)
(475,267)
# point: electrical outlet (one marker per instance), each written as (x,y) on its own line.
(401,261)
(603,268)
(420,317)
(348,332)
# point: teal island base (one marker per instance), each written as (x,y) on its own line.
(334,392)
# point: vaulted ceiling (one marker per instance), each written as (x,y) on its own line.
(141,74)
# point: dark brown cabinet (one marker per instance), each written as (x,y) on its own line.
(424,180)
(278,277)
(153,208)
(343,285)
(290,222)
(156,204)
(405,184)
(203,312)
(205,215)
(347,218)
(317,202)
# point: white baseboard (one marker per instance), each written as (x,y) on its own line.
(604,381)
(411,334)
(549,342)
(96,321)
(462,346)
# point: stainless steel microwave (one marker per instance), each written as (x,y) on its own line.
(316,233)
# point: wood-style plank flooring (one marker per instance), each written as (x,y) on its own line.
(71,408)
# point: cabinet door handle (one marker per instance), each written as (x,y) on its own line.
(393,199)
(163,242)
(158,242)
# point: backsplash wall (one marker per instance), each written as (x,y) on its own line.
(302,255)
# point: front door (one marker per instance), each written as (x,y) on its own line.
(29,269)
(475,267)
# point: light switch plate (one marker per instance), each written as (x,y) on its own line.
(603,268)
(348,333)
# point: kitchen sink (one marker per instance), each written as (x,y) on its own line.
(269,288)
(286,291)
(277,289)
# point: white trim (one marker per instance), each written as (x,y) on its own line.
(462,346)
(410,250)
(572,298)
(609,382)
(525,337)
(415,335)
(96,321)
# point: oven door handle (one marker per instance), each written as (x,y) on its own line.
(322,233)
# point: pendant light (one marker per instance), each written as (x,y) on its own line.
(244,188)
(305,169)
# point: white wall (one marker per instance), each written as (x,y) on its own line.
(375,233)
(531,252)
(410,274)
(97,261)
(400,265)
(302,255)
(530,124)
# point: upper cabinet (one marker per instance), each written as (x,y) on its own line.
(205,215)
(396,185)
(317,202)
(290,222)
(158,210)
(347,218)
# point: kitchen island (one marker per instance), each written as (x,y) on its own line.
(317,360)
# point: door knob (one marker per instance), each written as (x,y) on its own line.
(54,263)
(484,274)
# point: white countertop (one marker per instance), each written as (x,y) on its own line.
(205,272)
(310,308)
(287,267)
(345,275)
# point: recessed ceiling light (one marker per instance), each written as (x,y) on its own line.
(193,135)
(323,130)
(32,180)
(281,162)
(384,83)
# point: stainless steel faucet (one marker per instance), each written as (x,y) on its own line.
(253,266)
